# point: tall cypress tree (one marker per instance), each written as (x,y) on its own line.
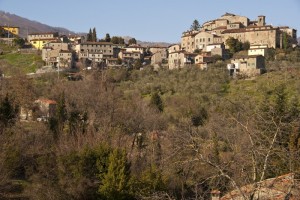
(157,102)
(8,112)
(89,36)
(107,38)
(94,35)
(56,124)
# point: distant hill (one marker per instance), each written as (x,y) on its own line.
(298,40)
(29,26)
(147,44)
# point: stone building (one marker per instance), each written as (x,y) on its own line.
(256,32)
(247,65)
(42,36)
(174,48)
(105,48)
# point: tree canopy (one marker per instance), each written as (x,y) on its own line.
(195,25)
(132,41)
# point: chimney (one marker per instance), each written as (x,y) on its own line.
(215,195)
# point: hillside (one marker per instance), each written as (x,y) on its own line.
(12,63)
(25,25)
(30,26)
(298,40)
(147,43)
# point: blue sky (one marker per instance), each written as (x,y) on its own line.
(148,20)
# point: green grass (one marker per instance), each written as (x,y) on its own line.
(7,48)
(26,63)
(255,90)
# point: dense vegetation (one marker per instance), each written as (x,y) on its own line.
(145,134)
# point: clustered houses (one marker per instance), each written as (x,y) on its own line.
(239,27)
(199,46)
(61,51)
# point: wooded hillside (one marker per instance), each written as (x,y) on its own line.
(131,134)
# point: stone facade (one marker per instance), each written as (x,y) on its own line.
(42,36)
(106,48)
(230,25)
(174,48)
(247,65)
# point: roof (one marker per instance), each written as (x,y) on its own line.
(246,57)
(158,47)
(91,43)
(173,45)
(46,33)
(190,34)
(9,26)
(43,39)
(46,101)
(135,46)
(220,19)
(242,30)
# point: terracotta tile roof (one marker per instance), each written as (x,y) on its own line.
(46,101)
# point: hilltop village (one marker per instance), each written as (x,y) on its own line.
(199,46)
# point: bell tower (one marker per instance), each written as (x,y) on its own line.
(261,20)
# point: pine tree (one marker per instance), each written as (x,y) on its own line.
(116,182)
(195,26)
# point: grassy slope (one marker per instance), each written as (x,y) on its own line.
(11,61)
(257,89)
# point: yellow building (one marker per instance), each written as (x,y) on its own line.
(14,30)
(39,43)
